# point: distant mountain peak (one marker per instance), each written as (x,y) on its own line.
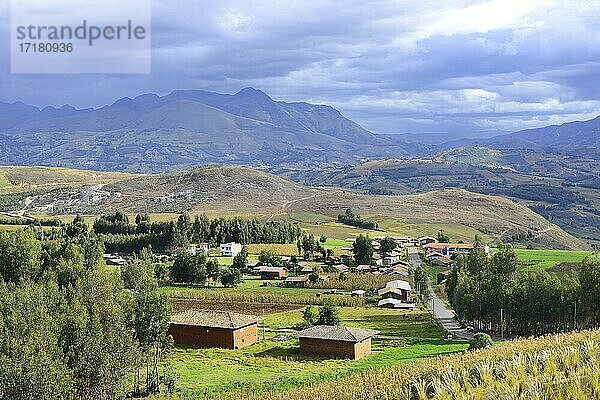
(250,92)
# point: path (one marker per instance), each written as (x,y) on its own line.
(444,315)
(288,204)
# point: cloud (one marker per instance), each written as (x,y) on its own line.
(455,66)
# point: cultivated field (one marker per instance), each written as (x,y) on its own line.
(562,366)
(275,366)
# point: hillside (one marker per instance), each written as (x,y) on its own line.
(562,188)
(18,179)
(185,129)
(568,136)
(228,190)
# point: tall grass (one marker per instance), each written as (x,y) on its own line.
(563,366)
(354,282)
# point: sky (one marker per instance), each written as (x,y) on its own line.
(402,66)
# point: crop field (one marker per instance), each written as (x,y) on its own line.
(543,259)
(277,249)
(276,366)
(259,309)
(252,291)
(564,366)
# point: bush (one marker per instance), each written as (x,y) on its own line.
(480,341)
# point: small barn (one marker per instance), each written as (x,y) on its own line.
(397,289)
(209,328)
(268,273)
(296,281)
(336,341)
(392,293)
(395,303)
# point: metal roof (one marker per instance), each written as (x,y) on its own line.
(398,284)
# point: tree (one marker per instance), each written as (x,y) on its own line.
(323,239)
(309,316)
(188,268)
(77,228)
(313,277)
(137,274)
(20,255)
(309,246)
(231,277)
(387,245)
(213,269)
(150,322)
(442,237)
(240,261)
(363,250)
(328,314)
(267,257)
(589,279)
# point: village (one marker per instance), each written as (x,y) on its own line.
(326,280)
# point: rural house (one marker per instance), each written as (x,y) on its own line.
(391,260)
(269,273)
(396,304)
(425,240)
(447,249)
(230,249)
(296,281)
(193,248)
(204,328)
(336,341)
(391,293)
(398,289)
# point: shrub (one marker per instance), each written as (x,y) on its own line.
(480,341)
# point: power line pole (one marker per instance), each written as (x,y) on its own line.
(502,323)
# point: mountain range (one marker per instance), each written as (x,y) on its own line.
(186,128)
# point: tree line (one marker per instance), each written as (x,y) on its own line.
(72,328)
(490,293)
(349,218)
(122,236)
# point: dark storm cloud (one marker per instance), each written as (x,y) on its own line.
(394,66)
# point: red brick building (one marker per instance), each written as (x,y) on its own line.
(336,341)
(206,328)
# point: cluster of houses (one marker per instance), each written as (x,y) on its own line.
(396,294)
(441,253)
(231,330)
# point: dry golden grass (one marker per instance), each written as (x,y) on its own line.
(565,366)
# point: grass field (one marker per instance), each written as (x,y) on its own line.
(416,323)
(563,366)
(3,181)
(270,365)
(543,259)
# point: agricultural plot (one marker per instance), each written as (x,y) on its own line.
(408,324)
(543,259)
(562,366)
(277,366)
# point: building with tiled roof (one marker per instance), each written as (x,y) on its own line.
(209,328)
(336,341)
